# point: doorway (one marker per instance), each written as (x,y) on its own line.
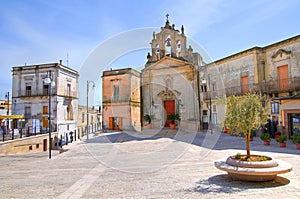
(169,107)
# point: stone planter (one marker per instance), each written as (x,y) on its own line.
(253,171)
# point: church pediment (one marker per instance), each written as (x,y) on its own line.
(281,54)
(171,94)
(166,63)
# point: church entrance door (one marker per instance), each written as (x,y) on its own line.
(169,106)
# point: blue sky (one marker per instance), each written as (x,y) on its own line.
(42,31)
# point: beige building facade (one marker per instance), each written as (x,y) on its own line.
(272,70)
(121,100)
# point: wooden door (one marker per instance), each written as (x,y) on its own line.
(245,83)
(111,123)
(169,106)
(283,77)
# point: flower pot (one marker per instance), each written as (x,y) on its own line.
(267,142)
(172,126)
(282,144)
(298,146)
(149,126)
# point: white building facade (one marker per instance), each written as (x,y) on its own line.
(30,96)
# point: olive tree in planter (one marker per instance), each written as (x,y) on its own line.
(244,113)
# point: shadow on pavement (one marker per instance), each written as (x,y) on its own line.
(224,184)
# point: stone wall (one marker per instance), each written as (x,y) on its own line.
(36,143)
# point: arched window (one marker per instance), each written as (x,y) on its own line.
(168,44)
(178,44)
(157,52)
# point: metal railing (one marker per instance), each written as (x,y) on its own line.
(272,86)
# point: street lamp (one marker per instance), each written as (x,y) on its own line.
(87,106)
(7,113)
(51,83)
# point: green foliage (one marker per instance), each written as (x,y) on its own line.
(173,117)
(244,113)
(264,136)
(147,118)
(263,158)
(296,138)
(238,156)
(281,138)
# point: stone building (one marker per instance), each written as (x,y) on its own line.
(121,99)
(30,96)
(272,70)
(95,120)
(170,79)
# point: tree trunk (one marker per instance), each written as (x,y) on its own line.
(247,139)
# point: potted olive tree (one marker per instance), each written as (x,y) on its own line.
(244,113)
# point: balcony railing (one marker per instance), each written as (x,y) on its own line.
(273,86)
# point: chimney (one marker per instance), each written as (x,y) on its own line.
(60,62)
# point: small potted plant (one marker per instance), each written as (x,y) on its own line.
(266,138)
(173,118)
(296,140)
(282,140)
(147,118)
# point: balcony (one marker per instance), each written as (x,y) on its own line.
(274,86)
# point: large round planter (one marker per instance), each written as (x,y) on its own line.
(253,171)
(282,144)
(267,142)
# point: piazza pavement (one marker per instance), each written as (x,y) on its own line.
(153,164)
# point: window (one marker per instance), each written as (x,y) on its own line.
(27,114)
(82,117)
(68,89)
(45,121)
(69,112)
(283,77)
(28,90)
(214,108)
(45,109)
(116,94)
(46,89)
(274,108)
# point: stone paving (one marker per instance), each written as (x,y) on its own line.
(131,165)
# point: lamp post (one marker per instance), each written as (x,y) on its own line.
(87,106)
(51,83)
(7,113)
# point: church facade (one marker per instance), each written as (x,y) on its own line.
(176,80)
(170,80)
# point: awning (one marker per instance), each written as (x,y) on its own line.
(11,117)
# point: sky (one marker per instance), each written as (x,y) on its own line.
(46,31)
